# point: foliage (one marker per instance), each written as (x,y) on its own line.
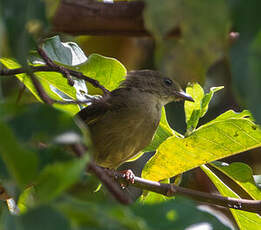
(50,184)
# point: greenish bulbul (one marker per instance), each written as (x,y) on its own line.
(124,122)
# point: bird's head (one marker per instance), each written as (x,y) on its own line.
(153,82)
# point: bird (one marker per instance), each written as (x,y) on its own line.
(124,122)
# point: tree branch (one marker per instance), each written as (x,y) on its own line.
(55,68)
(173,190)
(46,99)
(51,64)
(79,17)
(111,185)
(67,72)
(215,199)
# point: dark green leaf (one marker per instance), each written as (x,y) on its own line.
(41,218)
(39,122)
(56,178)
(22,20)
(20,162)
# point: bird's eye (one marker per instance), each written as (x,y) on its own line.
(168,82)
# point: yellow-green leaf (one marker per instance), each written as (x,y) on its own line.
(245,220)
(197,109)
(241,174)
(228,134)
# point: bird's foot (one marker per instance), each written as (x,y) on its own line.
(125,177)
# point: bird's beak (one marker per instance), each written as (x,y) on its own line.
(184,96)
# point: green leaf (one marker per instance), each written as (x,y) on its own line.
(66,53)
(41,218)
(193,109)
(108,71)
(245,220)
(241,174)
(22,26)
(47,79)
(178,214)
(20,162)
(56,178)
(39,122)
(228,134)
(175,214)
(197,109)
(207,98)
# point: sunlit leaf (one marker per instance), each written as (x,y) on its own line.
(197,109)
(108,71)
(46,79)
(245,220)
(241,174)
(228,134)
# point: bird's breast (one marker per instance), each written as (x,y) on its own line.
(124,132)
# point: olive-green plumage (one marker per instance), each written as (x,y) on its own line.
(123,123)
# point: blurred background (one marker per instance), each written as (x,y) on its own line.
(215,44)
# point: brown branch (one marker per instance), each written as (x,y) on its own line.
(173,190)
(67,72)
(56,68)
(60,69)
(79,17)
(111,185)
(215,199)
(46,99)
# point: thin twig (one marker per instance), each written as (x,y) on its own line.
(46,99)
(45,68)
(50,63)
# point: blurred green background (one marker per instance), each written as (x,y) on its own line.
(205,52)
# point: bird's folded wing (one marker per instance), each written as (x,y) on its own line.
(93,112)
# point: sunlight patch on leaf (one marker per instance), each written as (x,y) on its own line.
(228,134)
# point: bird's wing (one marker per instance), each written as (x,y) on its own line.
(98,109)
(92,113)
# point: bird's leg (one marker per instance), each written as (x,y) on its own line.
(127,175)
(124,177)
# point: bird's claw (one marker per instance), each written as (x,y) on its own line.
(128,177)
